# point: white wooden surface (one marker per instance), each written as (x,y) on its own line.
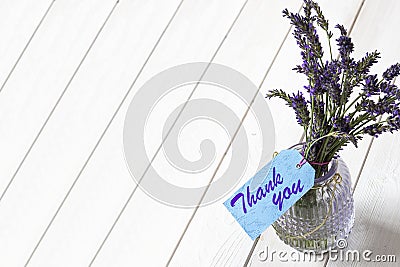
(68,71)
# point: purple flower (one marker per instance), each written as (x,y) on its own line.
(299,104)
(371,86)
(392,72)
(346,47)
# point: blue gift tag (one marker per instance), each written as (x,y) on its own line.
(271,192)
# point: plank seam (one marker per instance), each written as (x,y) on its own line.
(26,46)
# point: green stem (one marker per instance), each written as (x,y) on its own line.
(329,43)
(331,153)
(360,130)
(312,115)
(342,96)
(352,103)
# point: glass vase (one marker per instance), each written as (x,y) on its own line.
(324,215)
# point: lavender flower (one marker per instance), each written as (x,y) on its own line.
(297,102)
(371,86)
(392,72)
(346,47)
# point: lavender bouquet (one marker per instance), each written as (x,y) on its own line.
(343,101)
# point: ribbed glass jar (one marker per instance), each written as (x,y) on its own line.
(323,215)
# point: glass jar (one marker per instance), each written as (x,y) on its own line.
(323,215)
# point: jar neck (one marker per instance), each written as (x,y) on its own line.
(332,169)
(332,166)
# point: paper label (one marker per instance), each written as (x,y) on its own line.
(271,192)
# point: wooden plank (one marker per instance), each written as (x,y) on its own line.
(192,36)
(31,93)
(20,21)
(376,195)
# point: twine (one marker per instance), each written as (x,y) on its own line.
(305,153)
(304,160)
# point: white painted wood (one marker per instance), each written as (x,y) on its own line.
(112,65)
(148,231)
(42,74)
(19,20)
(26,101)
(192,36)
